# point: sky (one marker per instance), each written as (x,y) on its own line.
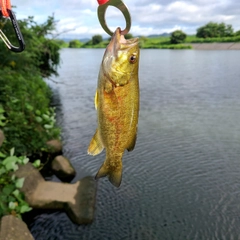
(77,19)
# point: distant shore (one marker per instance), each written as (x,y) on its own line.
(215,46)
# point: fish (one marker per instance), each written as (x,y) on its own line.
(117,105)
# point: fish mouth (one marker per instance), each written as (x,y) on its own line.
(118,42)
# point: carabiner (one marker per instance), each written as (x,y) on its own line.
(17,32)
(103,4)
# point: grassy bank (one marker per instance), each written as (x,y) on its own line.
(161,42)
(164,42)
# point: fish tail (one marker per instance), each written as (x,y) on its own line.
(114,172)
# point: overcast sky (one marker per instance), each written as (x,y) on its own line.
(78,18)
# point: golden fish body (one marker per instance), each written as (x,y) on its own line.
(117,104)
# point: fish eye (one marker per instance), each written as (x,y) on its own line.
(133,58)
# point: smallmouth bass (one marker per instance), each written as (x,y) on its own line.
(117,105)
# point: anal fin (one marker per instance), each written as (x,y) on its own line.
(95,147)
(132,144)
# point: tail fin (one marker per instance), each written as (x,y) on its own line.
(114,173)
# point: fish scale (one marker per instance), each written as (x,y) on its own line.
(117,104)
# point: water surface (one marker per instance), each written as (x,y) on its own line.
(182,181)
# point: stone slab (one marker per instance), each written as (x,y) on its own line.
(83,211)
(13,228)
(54,195)
(78,199)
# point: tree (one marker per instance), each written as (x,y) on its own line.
(62,43)
(22,89)
(75,44)
(212,30)
(142,40)
(178,36)
(42,50)
(96,39)
(237,33)
(128,36)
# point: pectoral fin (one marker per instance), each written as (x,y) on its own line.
(110,97)
(95,147)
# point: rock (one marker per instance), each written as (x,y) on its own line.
(55,146)
(1,137)
(83,211)
(78,199)
(54,195)
(13,228)
(63,169)
(31,182)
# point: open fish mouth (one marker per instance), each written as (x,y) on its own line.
(118,42)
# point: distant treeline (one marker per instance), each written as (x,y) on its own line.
(209,33)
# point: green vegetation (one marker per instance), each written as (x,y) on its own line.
(26,117)
(237,33)
(128,36)
(11,199)
(178,36)
(24,95)
(215,30)
(89,44)
(161,43)
(209,33)
(61,43)
(96,39)
(75,44)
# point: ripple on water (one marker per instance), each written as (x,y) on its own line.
(182,180)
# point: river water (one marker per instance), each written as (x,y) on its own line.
(182,181)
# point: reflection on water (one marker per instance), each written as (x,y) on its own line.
(182,181)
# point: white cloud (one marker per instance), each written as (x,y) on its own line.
(148,16)
(181,7)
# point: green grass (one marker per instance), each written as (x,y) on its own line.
(160,43)
(89,44)
(164,42)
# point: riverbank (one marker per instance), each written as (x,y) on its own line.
(195,46)
(215,46)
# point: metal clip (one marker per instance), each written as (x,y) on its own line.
(17,32)
(118,4)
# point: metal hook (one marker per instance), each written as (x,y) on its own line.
(122,7)
(17,32)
